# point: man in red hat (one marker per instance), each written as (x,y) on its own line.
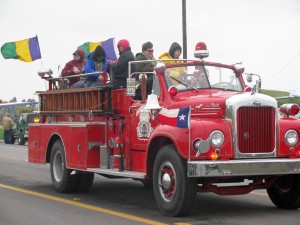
(120,69)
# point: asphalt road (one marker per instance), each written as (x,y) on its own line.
(27,197)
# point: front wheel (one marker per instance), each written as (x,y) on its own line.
(61,177)
(285,192)
(174,191)
(21,139)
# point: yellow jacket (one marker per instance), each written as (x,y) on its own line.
(175,72)
(7,123)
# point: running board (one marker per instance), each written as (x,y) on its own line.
(117,173)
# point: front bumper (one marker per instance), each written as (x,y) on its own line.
(249,167)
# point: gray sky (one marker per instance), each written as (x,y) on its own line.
(263,34)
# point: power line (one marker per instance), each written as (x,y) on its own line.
(273,5)
(284,67)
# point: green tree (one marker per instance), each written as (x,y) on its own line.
(14,99)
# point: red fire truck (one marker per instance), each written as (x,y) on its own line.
(202,129)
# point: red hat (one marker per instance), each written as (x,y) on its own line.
(124,44)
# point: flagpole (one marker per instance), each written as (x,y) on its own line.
(189,125)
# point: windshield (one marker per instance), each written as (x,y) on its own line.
(202,77)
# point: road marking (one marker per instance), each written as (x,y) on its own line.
(6,157)
(82,205)
(183,224)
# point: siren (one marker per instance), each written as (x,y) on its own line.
(201,50)
(42,72)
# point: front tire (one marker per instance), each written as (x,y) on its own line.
(61,177)
(285,192)
(174,191)
(21,139)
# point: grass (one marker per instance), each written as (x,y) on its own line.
(1,133)
(275,94)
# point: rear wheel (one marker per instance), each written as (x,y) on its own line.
(61,177)
(21,139)
(174,191)
(285,193)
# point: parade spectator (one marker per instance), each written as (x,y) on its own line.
(73,67)
(7,127)
(96,62)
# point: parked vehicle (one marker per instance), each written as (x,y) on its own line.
(190,135)
(20,128)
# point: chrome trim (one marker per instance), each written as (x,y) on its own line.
(249,167)
(223,138)
(249,100)
(285,138)
(115,172)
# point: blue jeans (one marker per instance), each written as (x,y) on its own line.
(78,84)
(7,134)
(90,83)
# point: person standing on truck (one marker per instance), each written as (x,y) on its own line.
(174,53)
(73,67)
(146,54)
(120,69)
(96,62)
(7,127)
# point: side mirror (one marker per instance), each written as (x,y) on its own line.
(249,78)
(257,86)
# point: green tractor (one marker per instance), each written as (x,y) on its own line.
(20,128)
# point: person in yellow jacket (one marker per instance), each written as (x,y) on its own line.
(174,53)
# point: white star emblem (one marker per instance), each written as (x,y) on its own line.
(182,117)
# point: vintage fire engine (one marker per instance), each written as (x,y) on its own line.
(200,130)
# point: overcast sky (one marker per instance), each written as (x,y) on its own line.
(263,34)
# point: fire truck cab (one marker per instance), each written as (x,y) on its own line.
(201,129)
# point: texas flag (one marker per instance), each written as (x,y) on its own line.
(175,117)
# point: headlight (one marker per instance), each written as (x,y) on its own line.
(291,137)
(216,138)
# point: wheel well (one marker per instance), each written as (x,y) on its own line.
(156,144)
(54,138)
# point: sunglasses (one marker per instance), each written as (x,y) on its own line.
(150,50)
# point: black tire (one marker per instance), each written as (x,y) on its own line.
(12,139)
(174,191)
(21,139)
(84,182)
(285,193)
(62,180)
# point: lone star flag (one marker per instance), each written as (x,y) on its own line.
(175,117)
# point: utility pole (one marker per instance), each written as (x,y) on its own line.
(184,39)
